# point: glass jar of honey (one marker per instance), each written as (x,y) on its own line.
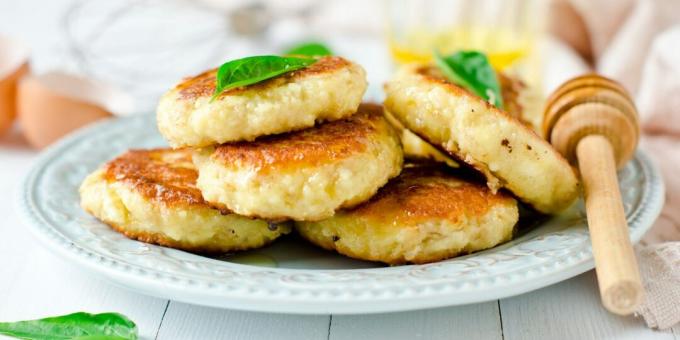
(506,30)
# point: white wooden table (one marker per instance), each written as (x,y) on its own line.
(34,283)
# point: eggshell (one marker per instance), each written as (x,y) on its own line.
(13,66)
(54,104)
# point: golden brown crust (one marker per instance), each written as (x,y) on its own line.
(510,89)
(327,142)
(162,175)
(203,85)
(424,192)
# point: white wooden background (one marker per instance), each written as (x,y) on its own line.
(34,283)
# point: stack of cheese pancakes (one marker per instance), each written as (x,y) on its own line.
(301,151)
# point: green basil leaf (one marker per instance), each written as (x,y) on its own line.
(472,70)
(313,49)
(252,70)
(77,325)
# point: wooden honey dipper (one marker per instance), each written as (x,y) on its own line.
(593,122)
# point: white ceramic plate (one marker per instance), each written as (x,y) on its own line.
(292,276)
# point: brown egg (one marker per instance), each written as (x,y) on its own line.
(13,66)
(54,104)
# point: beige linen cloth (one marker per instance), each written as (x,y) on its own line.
(636,42)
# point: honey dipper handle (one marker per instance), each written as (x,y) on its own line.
(617,271)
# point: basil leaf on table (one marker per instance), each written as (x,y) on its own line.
(104,326)
(310,49)
(472,70)
(252,70)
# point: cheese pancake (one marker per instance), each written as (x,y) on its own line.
(518,103)
(151,196)
(303,175)
(426,214)
(465,126)
(327,90)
